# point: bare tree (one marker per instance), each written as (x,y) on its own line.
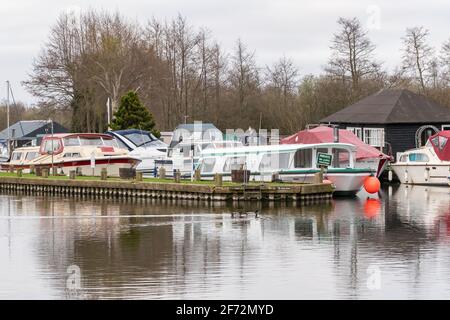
(418,56)
(445,62)
(352,53)
(283,77)
(54,71)
(243,74)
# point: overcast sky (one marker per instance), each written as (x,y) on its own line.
(298,29)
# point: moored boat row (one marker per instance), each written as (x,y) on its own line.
(88,153)
(201,148)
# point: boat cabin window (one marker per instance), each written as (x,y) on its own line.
(52,145)
(16,156)
(341,158)
(110,142)
(71,141)
(72,155)
(208,164)
(418,157)
(271,161)
(95,141)
(404,158)
(234,163)
(438,141)
(31,155)
(303,158)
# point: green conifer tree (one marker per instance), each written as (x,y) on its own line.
(131,114)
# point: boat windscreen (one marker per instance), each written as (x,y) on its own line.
(140,138)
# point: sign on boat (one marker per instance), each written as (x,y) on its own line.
(324,159)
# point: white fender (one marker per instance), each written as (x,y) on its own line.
(426,174)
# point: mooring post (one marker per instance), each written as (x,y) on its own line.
(162,173)
(54,171)
(197,175)
(19,173)
(318,177)
(32,170)
(177,176)
(218,180)
(139,175)
(104,174)
(72,174)
(44,172)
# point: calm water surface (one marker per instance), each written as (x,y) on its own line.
(152,249)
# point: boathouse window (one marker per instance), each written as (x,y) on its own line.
(418,157)
(374,136)
(16,155)
(356,131)
(234,163)
(208,164)
(303,158)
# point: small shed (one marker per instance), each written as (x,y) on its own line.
(30,132)
(393,120)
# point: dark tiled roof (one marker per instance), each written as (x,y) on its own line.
(23,128)
(391,106)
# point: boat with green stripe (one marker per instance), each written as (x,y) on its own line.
(290,163)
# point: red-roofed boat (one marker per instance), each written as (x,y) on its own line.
(366,155)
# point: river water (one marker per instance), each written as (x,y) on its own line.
(396,246)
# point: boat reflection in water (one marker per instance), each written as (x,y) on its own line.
(153,249)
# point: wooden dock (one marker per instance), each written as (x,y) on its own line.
(127,189)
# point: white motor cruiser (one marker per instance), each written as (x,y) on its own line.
(87,153)
(291,162)
(429,164)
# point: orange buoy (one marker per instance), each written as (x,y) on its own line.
(372,184)
(372,208)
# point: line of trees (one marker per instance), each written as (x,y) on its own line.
(181,74)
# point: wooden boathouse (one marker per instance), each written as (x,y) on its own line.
(393,120)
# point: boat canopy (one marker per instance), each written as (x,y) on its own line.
(440,144)
(323,134)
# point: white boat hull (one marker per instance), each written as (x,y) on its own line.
(373,164)
(344,182)
(428,174)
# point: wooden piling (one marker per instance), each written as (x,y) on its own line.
(177,176)
(104,174)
